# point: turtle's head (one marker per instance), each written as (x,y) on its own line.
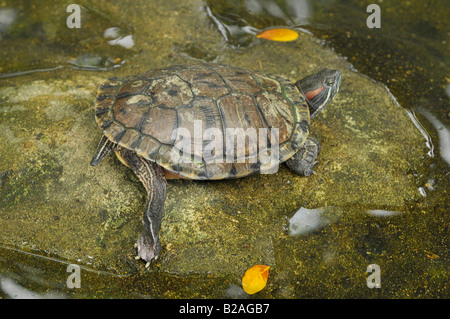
(319,89)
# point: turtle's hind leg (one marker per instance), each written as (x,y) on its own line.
(303,162)
(104,148)
(152,177)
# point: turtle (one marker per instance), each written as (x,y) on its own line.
(142,116)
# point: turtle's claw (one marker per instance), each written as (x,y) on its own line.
(312,167)
(147,249)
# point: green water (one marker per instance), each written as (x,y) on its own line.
(409,54)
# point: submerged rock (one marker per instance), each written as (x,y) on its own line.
(53,202)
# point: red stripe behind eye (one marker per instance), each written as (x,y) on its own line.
(312,94)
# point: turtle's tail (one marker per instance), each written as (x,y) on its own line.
(104,148)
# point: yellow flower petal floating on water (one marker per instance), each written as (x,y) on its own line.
(280,34)
(255,279)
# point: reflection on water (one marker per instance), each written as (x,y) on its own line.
(428,140)
(55,44)
(7,18)
(118,39)
(443,133)
(235,292)
(383,213)
(297,11)
(239,22)
(307,220)
(15,291)
(422,191)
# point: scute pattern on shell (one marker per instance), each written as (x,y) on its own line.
(141,113)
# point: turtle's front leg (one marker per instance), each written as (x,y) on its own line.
(303,162)
(152,177)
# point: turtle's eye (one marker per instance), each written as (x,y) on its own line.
(330,82)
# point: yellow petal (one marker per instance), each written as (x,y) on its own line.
(255,279)
(280,34)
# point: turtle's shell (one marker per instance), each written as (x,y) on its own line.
(142,113)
